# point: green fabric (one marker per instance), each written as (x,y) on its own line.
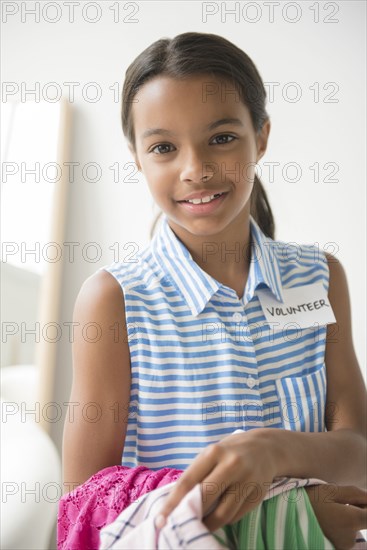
(284,522)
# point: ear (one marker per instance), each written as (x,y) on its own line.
(262,139)
(134,155)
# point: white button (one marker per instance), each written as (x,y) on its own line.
(237,316)
(251,382)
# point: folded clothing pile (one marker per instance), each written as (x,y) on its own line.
(284,519)
(117,508)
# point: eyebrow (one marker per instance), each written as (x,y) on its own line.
(211,126)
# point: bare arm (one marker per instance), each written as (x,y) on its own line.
(96,423)
(340,454)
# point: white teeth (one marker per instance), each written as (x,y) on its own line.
(204,199)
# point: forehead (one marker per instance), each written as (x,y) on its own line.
(165,101)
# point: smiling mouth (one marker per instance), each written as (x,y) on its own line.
(204,200)
(205,206)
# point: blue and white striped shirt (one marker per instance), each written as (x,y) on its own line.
(204,362)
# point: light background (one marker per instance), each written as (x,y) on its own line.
(305,131)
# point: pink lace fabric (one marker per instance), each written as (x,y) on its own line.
(98,501)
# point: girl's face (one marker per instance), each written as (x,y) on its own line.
(186,145)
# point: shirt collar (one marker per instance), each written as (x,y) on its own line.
(195,285)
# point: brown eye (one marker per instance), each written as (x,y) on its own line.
(225,141)
(163,145)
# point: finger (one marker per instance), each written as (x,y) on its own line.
(227,498)
(215,489)
(230,509)
(358,516)
(196,472)
(350,494)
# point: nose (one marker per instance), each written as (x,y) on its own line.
(195,168)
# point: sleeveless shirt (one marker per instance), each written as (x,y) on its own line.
(205,362)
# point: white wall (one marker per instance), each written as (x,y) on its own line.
(306,131)
(20,289)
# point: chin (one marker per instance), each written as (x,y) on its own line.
(204,227)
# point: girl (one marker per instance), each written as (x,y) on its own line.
(194,341)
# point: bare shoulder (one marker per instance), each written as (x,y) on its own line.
(339,299)
(100,289)
(94,434)
(101,336)
(338,278)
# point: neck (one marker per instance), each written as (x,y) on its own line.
(225,256)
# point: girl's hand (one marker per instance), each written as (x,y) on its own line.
(239,470)
(339,522)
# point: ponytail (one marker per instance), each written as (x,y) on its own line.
(260,209)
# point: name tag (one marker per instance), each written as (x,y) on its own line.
(304,305)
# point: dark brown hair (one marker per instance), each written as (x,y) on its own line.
(193,53)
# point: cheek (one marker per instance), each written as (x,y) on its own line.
(242,175)
(154,169)
(152,175)
(159,189)
(248,172)
(240,166)
(159,178)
